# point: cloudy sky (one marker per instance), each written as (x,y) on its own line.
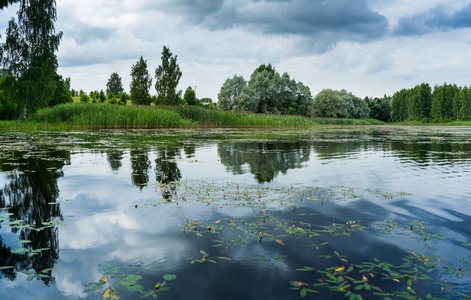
(368,47)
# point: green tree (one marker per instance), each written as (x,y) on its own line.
(380,108)
(230,91)
(266,92)
(114,84)
(465,103)
(83,97)
(140,83)
(327,104)
(102,96)
(29,52)
(61,93)
(207,102)
(399,105)
(9,107)
(304,101)
(190,97)
(167,78)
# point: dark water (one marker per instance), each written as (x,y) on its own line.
(236,214)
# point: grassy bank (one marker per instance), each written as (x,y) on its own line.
(106,116)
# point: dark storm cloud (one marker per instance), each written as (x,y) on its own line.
(433,20)
(304,17)
(189,9)
(322,22)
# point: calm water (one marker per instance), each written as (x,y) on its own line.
(236,214)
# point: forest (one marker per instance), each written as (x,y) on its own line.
(29,82)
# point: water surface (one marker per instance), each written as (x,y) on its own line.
(330,213)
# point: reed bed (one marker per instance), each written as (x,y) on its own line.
(107,116)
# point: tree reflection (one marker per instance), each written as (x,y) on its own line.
(114,159)
(166,169)
(30,193)
(428,152)
(140,165)
(264,159)
(337,149)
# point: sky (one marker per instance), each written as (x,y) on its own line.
(368,47)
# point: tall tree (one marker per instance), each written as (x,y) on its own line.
(230,91)
(29,52)
(114,84)
(190,97)
(140,83)
(167,77)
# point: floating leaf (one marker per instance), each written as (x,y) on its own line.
(132,278)
(23,241)
(169,277)
(340,269)
(126,283)
(19,250)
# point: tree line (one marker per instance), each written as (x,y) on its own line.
(447,102)
(29,81)
(167,78)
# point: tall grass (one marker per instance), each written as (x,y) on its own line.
(104,116)
(107,116)
(214,118)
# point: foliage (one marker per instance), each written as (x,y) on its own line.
(92,115)
(167,77)
(98,116)
(83,97)
(230,91)
(379,108)
(29,52)
(266,92)
(207,103)
(140,83)
(61,93)
(114,84)
(446,103)
(339,104)
(190,97)
(9,107)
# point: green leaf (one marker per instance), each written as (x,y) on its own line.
(135,288)
(19,250)
(133,278)
(302,293)
(169,277)
(126,283)
(31,277)
(23,241)
(148,294)
(6,267)
(359,287)
(93,289)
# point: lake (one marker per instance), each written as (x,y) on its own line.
(328,213)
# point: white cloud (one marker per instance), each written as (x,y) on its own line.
(102,37)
